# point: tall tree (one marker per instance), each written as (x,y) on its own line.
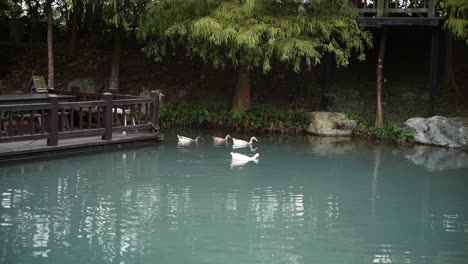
(456,26)
(50,45)
(117,16)
(74,27)
(379,119)
(251,34)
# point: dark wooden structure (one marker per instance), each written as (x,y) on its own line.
(91,114)
(383,14)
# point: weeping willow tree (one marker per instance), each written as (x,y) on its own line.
(252,34)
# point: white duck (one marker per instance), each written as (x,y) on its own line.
(238,143)
(239,160)
(220,140)
(241,157)
(183,139)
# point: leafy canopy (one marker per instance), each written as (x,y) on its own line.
(457,22)
(253,33)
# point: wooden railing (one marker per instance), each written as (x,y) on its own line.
(389,8)
(55,120)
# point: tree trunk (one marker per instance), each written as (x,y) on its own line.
(379,120)
(114,78)
(50,45)
(449,76)
(242,90)
(74,28)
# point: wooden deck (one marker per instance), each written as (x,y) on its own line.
(91,121)
(29,149)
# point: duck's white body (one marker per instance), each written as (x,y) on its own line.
(220,140)
(239,143)
(241,157)
(185,140)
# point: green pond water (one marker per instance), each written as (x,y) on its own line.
(307,200)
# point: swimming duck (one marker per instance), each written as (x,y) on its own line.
(220,140)
(242,143)
(183,139)
(241,157)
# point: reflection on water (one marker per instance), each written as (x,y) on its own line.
(434,158)
(172,204)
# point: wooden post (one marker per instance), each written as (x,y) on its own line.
(434,74)
(107,116)
(326,82)
(52,119)
(112,90)
(431,8)
(156,107)
(380,79)
(380,7)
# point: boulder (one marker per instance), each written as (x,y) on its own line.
(332,124)
(88,84)
(438,131)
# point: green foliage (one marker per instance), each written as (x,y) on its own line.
(253,33)
(259,118)
(457,13)
(390,132)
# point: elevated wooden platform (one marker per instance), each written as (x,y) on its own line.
(379,22)
(30,149)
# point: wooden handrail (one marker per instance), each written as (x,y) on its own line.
(60,120)
(132,101)
(81,104)
(24,107)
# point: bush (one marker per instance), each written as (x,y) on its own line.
(390,132)
(259,118)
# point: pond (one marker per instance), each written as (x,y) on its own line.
(307,200)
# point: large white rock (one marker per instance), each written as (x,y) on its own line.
(438,131)
(330,124)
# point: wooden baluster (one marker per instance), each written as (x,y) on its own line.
(81,118)
(53,120)
(99,109)
(21,123)
(132,115)
(62,119)
(72,119)
(156,104)
(107,116)
(116,118)
(10,122)
(90,115)
(147,113)
(139,114)
(31,121)
(2,124)
(43,121)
